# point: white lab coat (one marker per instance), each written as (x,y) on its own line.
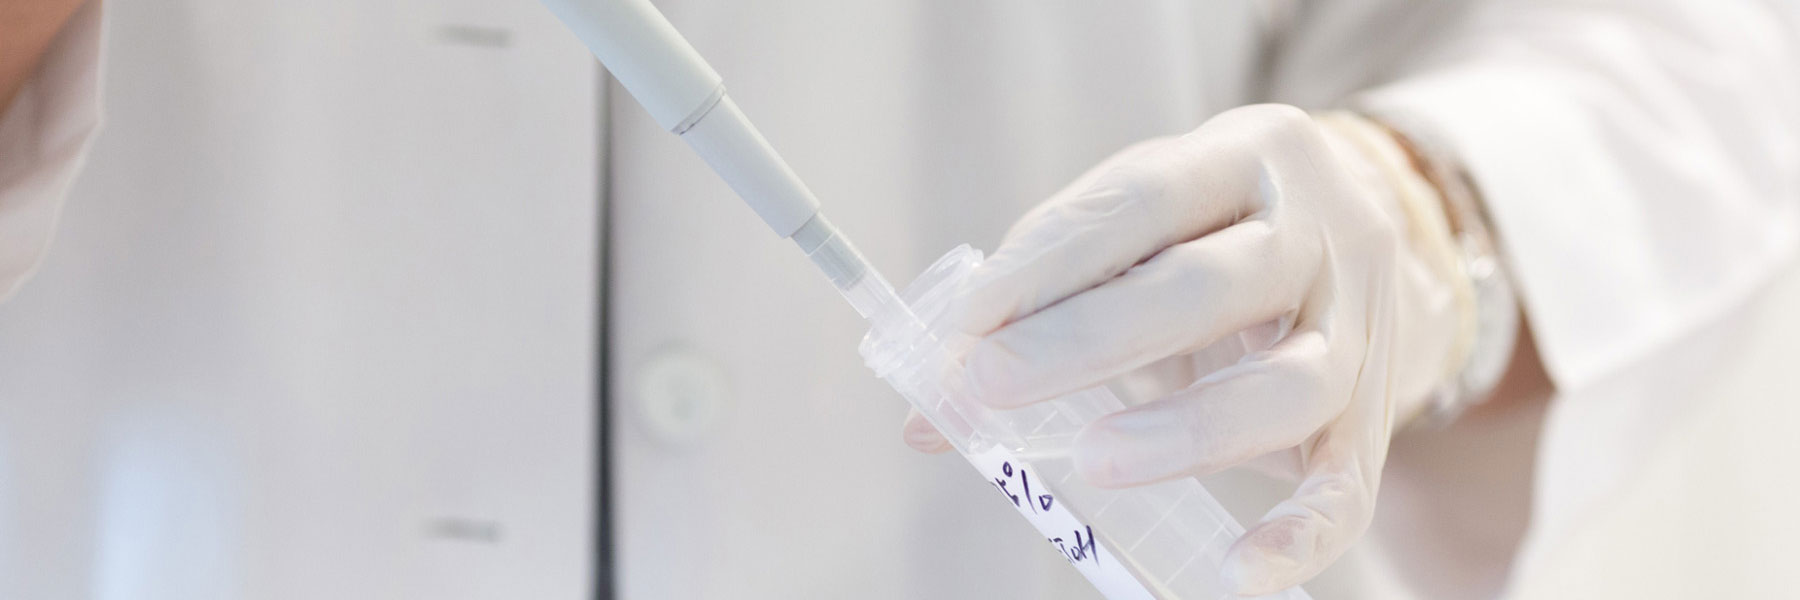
(1639,160)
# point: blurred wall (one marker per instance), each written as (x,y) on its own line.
(320,319)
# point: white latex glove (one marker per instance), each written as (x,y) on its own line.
(1261,215)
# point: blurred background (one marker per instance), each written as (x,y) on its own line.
(405,299)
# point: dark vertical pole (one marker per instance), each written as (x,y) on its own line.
(604,579)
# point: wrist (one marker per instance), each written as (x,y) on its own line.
(1491,320)
(1434,293)
(26,32)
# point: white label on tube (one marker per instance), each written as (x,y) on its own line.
(1067,535)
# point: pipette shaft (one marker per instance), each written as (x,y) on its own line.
(687,97)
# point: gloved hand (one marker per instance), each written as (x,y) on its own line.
(1261,216)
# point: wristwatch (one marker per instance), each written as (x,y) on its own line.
(1496,312)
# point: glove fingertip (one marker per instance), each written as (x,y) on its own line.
(921,435)
(1273,556)
(981,303)
(998,377)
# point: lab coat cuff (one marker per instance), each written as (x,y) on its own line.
(1592,295)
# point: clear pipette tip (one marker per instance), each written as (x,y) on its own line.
(848,271)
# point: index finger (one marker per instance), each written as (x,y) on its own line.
(1170,194)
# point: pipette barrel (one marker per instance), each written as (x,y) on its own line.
(687,97)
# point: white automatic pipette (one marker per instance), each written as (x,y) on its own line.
(683,93)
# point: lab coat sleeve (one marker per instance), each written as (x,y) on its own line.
(44,138)
(1638,159)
